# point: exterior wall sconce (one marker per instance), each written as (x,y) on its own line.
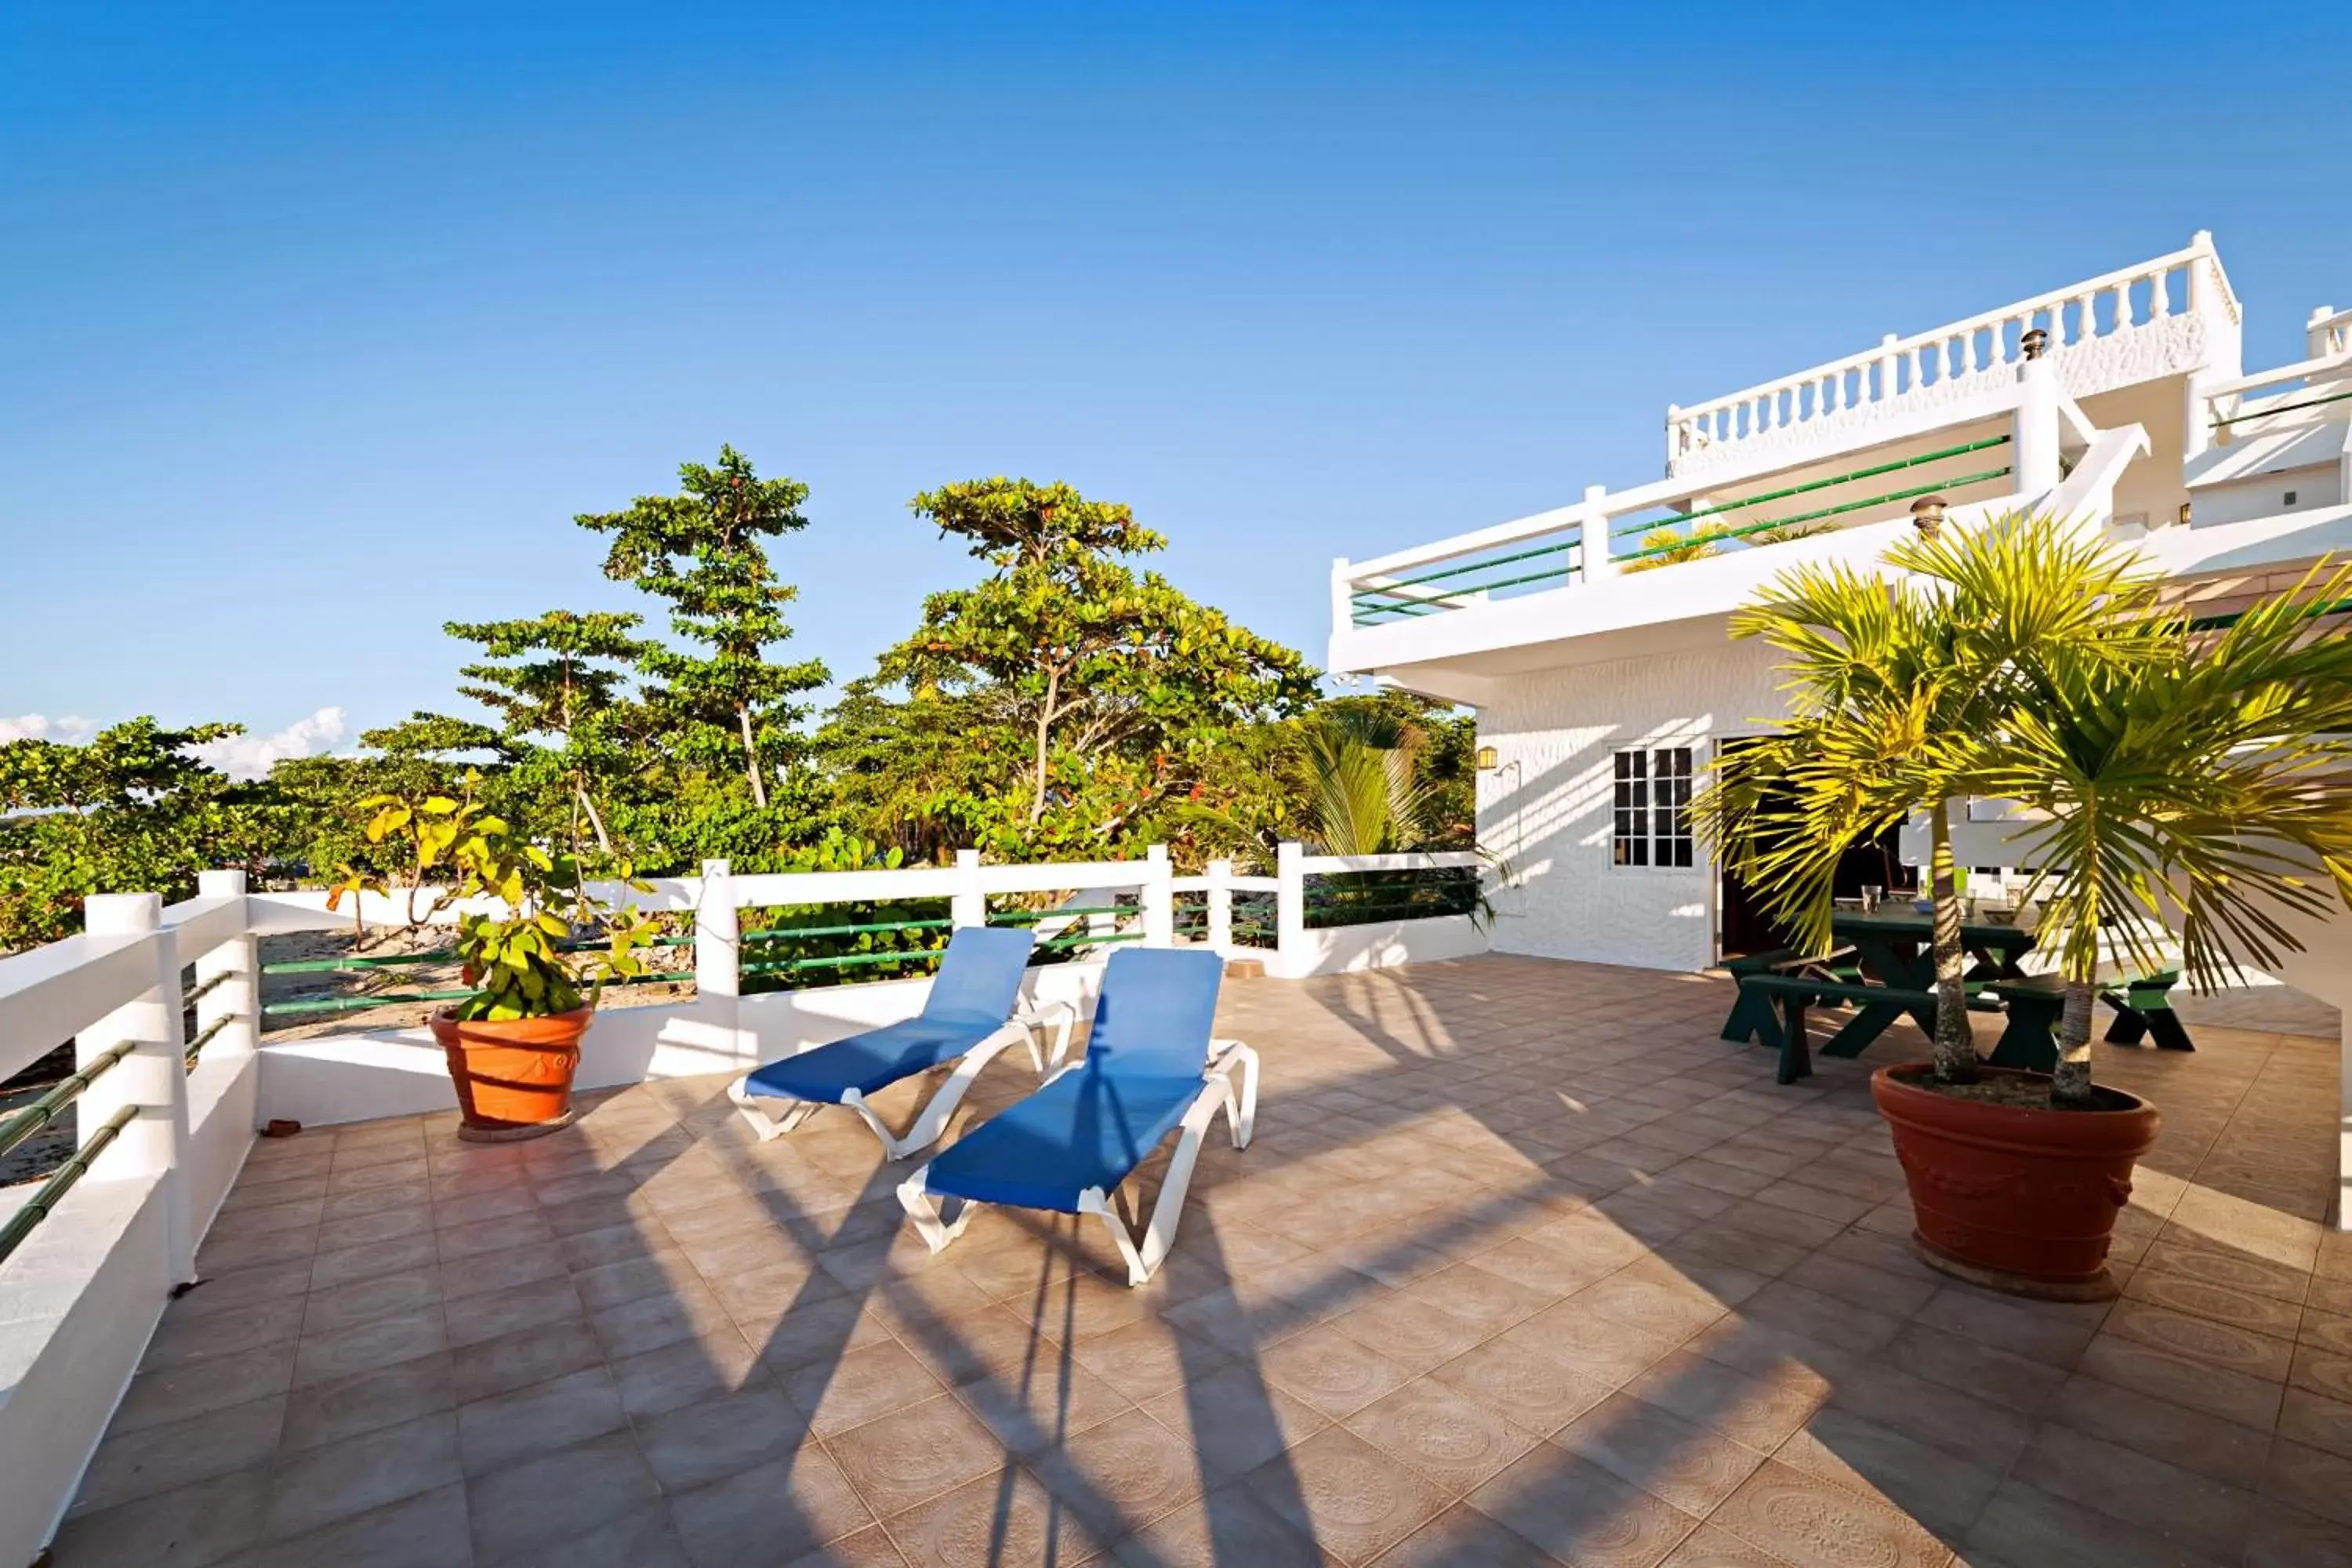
(2034,343)
(2184,514)
(1488,758)
(1927,516)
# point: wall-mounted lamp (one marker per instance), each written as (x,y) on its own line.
(2184,514)
(1927,516)
(2034,343)
(1488,758)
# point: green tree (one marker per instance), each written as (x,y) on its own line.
(1110,676)
(555,682)
(704,552)
(132,809)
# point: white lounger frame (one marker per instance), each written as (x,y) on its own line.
(1218,1092)
(933,1120)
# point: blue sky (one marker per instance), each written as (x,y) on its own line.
(320,326)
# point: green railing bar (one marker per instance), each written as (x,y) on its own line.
(1417,608)
(196,992)
(1950,484)
(2283,408)
(1030,917)
(327,965)
(781,934)
(37,1209)
(206,1033)
(2316,612)
(1812,485)
(356,1004)
(1064,944)
(439,955)
(44,1111)
(1474,588)
(841,961)
(1389,590)
(649,979)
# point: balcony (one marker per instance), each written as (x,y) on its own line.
(1524,1266)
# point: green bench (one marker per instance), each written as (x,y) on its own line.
(2030,1040)
(1778,1021)
(2144,1007)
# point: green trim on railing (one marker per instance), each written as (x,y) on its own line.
(37,1209)
(359,1004)
(784,933)
(1031,917)
(2316,612)
(195,993)
(1812,485)
(1389,590)
(2283,408)
(1425,606)
(1951,484)
(205,1033)
(330,965)
(23,1124)
(1065,943)
(843,961)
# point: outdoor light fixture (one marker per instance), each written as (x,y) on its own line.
(1927,516)
(1488,759)
(2184,514)
(2035,343)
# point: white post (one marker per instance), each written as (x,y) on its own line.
(153,1077)
(1675,445)
(969,907)
(2196,416)
(2033,428)
(1158,898)
(1593,533)
(1221,906)
(1343,597)
(718,949)
(1290,908)
(234,1003)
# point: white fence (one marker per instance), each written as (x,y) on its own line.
(167,1116)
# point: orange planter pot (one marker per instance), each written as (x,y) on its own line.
(2019,1198)
(513,1075)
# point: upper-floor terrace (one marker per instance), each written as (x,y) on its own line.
(2120,401)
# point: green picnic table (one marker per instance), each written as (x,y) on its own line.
(1897,948)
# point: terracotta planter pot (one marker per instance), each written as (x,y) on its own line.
(513,1075)
(2019,1198)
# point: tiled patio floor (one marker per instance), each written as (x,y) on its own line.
(1524,1266)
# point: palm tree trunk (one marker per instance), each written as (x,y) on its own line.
(1955,1049)
(2071,1084)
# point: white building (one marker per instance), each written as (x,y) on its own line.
(1602,686)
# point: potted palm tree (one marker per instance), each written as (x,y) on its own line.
(2176,778)
(513,1046)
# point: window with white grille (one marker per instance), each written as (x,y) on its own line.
(1651,822)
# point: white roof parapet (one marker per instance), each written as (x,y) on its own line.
(2134,324)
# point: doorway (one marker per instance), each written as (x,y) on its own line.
(1746,928)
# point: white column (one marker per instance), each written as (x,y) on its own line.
(153,1077)
(718,950)
(1221,906)
(1343,597)
(1594,551)
(2196,416)
(234,1001)
(2033,428)
(1158,898)
(1290,909)
(969,907)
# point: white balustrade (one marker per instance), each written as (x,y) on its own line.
(1902,371)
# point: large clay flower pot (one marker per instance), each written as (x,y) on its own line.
(513,1075)
(2020,1198)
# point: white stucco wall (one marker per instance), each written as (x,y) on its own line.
(1544,807)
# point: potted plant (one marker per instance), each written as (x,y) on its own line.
(2174,776)
(513,1046)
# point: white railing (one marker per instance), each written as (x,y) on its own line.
(2329,331)
(82,1293)
(2187,286)
(2314,387)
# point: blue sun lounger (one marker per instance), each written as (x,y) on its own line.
(968,1019)
(1151,1069)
